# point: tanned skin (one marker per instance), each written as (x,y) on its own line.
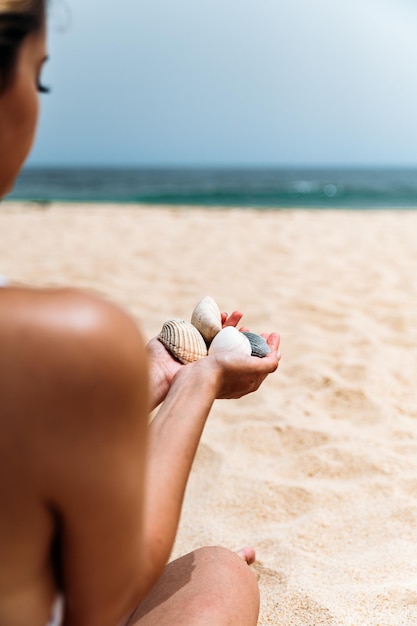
(80,469)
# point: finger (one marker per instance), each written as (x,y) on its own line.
(273,340)
(231,320)
(248,554)
(270,362)
(244,329)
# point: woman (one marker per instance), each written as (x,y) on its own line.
(91,496)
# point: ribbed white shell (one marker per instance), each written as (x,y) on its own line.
(183,340)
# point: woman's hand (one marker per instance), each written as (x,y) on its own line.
(236,374)
(162,369)
(163,366)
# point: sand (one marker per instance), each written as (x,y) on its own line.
(318,469)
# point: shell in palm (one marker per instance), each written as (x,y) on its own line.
(258,344)
(183,340)
(207,318)
(232,340)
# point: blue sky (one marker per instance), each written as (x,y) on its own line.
(230,82)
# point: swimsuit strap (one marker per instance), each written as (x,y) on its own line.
(57,613)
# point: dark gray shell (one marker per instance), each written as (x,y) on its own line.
(258,344)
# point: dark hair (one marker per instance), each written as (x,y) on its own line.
(18,19)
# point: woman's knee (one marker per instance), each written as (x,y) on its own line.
(229,582)
(208,586)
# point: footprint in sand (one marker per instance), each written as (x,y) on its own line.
(295,608)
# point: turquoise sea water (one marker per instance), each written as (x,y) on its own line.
(247,187)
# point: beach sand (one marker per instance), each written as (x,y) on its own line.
(318,469)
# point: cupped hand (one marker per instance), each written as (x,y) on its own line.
(237,374)
(162,369)
(164,365)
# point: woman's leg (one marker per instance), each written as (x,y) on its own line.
(209,587)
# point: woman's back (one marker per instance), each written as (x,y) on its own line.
(27,584)
(65,374)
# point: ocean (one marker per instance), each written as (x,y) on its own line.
(364,188)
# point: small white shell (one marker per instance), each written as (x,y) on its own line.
(230,339)
(183,340)
(207,318)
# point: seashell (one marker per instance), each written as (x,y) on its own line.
(230,339)
(183,340)
(258,344)
(207,318)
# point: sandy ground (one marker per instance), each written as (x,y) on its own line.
(318,470)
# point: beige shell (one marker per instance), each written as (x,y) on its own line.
(230,339)
(183,340)
(207,318)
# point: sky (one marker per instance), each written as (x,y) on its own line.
(229,83)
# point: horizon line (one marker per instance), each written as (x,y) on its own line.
(223,166)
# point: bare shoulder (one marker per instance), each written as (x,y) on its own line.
(44,319)
(66,350)
(62,315)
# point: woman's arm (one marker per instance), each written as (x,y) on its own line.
(176,431)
